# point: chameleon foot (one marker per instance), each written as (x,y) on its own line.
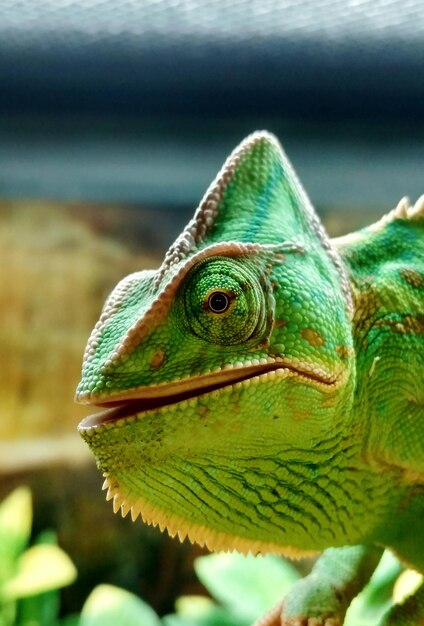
(323,597)
(314,601)
(275,617)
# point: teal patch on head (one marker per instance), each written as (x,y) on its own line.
(253,246)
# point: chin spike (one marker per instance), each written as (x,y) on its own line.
(117,502)
(125,509)
(135,511)
(111,493)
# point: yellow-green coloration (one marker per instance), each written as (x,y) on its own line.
(264,389)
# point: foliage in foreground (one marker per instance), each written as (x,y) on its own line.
(241,588)
(29,576)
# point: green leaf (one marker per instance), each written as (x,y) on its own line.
(108,606)
(8,613)
(407,584)
(46,536)
(70,620)
(193,606)
(247,585)
(202,611)
(40,568)
(218,617)
(377,597)
(174,619)
(15,527)
(42,609)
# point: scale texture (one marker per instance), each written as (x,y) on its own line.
(263,390)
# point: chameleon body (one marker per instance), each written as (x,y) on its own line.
(263,390)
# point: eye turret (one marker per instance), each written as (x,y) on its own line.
(224,301)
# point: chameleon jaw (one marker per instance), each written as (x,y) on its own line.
(200,534)
(150,433)
(136,402)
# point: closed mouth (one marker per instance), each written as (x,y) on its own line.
(134,402)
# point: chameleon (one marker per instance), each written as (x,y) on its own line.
(263,390)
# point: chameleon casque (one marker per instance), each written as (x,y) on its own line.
(263,390)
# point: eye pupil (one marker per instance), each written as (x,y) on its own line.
(218,302)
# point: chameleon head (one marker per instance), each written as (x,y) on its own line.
(223,377)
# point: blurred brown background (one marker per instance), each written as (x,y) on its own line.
(114,118)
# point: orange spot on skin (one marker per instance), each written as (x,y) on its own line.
(412,277)
(301,414)
(203,411)
(343,351)
(157,359)
(330,401)
(313,337)
(280,323)
(298,412)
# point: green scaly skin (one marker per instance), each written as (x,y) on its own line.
(264,389)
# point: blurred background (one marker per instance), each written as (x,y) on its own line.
(114,118)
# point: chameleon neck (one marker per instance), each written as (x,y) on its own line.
(385,267)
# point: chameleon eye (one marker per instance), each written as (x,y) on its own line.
(218,302)
(224,302)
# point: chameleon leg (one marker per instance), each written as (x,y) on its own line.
(409,613)
(323,597)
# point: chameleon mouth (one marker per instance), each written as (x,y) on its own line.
(134,402)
